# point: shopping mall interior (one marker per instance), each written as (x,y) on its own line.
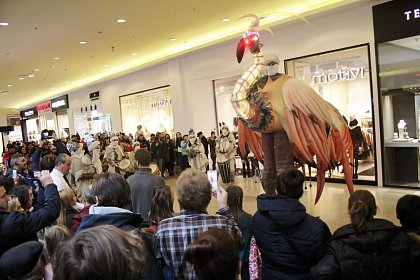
(107,66)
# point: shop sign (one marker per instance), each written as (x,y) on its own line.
(395,20)
(412,14)
(160,103)
(29,113)
(43,107)
(340,75)
(59,103)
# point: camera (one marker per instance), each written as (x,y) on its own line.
(46,134)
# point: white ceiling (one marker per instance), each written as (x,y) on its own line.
(40,30)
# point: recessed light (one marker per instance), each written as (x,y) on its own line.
(9,85)
(225,19)
(121,20)
(134,54)
(31,75)
(83,42)
(172,39)
(36,69)
(21,78)
(56,58)
(4,23)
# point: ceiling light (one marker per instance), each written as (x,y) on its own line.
(9,85)
(4,23)
(83,42)
(36,69)
(172,39)
(31,75)
(120,20)
(225,19)
(21,77)
(56,58)
(134,54)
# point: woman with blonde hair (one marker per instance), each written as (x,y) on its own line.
(68,201)
(14,205)
(368,247)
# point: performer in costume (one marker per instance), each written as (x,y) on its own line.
(196,156)
(290,119)
(225,155)
(113,155)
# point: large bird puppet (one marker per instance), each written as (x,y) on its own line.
(287,120)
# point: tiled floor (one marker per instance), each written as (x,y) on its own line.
(332,207)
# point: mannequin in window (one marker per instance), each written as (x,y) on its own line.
(357,140)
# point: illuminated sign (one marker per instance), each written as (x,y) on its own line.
(59,103)
(43,107)
(163,102)
(343,74)
(412,14)
(29,113)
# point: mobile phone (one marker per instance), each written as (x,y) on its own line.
(14,174)
(212,176)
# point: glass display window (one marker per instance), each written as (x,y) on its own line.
(222,94)
(150,108)
(343,78)
(399,83)
(90,119)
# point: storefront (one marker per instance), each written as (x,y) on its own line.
(343,78)
(90,119)
(397,41)
(30,124)
(151,108)
(59,118)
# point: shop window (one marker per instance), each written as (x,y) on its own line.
(343,78)
(151,108)
(399,83)
(222,94)
(89,119)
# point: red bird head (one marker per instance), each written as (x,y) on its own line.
(250,40)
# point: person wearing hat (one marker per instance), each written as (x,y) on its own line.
(23,261)
(113,154)
(82,170)
(196,153)
(225,155)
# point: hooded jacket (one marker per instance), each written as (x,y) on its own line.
(127,221)
(380,251)
(289,239)
(106,215)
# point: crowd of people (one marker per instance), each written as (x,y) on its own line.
(99,208)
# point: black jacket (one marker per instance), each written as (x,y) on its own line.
(290,240)
(381,251)
(17,228)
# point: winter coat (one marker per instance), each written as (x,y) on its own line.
(380,251)
(127,221)
(17,228)
(290,240)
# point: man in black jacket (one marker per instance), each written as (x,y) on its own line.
(17,228)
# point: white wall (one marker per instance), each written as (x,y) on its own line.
(191,76)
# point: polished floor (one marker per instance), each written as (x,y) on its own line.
(332,207)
